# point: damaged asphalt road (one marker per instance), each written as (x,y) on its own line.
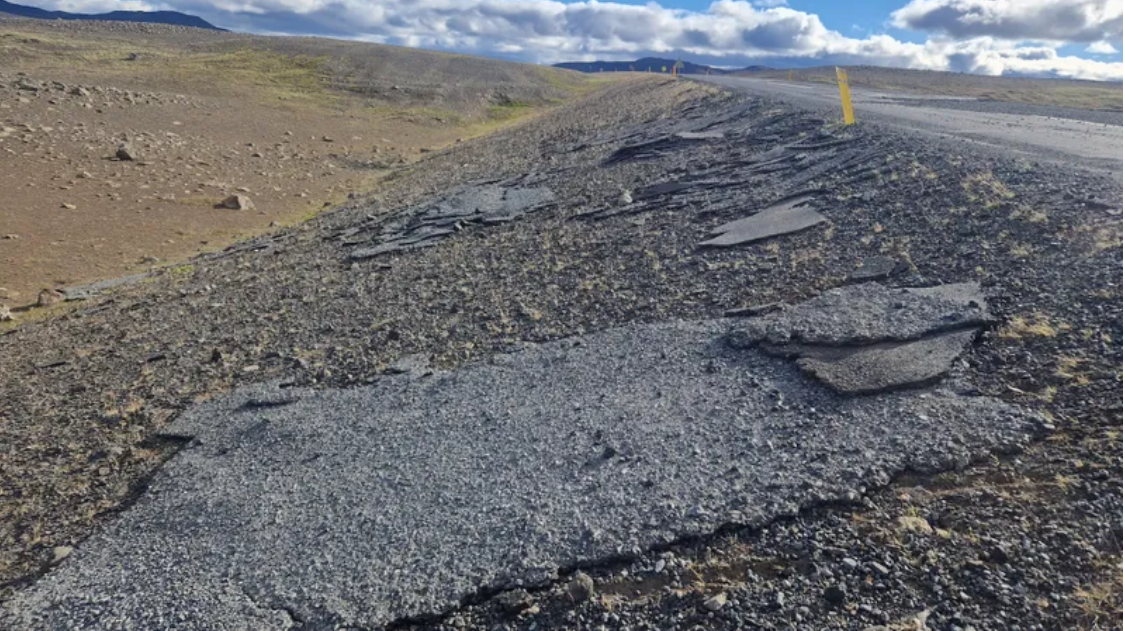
(606,206)
(362,507)
(1050,135)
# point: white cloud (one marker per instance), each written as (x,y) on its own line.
(1101,48)
(1019,20)
(101,6)
(766,4)
(728,33)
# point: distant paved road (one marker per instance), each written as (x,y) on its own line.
(1095,146)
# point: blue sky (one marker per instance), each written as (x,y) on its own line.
(1061,38)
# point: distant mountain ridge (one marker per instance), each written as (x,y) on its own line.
(650,64)
(148,17)
(646,64)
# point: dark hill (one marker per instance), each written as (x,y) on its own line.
(151,17)
(647,64)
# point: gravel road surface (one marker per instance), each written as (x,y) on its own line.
(1051,133)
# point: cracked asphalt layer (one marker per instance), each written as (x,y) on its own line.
(363,506)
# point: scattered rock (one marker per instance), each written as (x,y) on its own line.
(48,297)
(581,587)
(716,602)
(60,553)
(6,313)
(625,199)
(514,601)
(836,594)
(68,206)
(126,152)
(237,202)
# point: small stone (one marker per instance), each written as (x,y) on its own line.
(997,554)
(836,594)
(60,553)
(85,175)
(660,565)
(625,199)
(880,569)
(11,237)
(716,602)
(68,206)
(850,563)
(327,139)
(514,601)
(48,297)
(581,587)
(126,152)
(6,313)
(238,202)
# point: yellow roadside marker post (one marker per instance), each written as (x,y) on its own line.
(790,75)
(845,96)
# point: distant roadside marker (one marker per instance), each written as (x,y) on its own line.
(845,95)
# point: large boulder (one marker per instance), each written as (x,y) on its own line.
(237,202)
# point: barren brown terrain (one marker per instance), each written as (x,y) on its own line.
(294,125)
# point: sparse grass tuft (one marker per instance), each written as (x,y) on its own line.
(1100,603)
(1033,325)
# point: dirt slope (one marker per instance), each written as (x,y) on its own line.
(293,124)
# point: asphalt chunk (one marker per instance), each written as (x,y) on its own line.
(363,506)
(888,366)
(780,219)
(870,313)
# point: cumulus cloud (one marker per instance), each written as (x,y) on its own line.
(727,33)
(1101,48)
(1021,20)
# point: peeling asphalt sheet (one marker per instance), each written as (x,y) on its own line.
(363,506)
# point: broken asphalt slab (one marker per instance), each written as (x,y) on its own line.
(868,338)
(425,224)
(870,313)
(360,507)
(784,218)
(887,366)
